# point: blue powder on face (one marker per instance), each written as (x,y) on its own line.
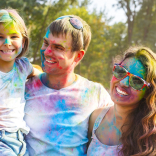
(7,41)
(42,50)
(47,33)
(42,57)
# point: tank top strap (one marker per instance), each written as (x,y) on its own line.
(100,117)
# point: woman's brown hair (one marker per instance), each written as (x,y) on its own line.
(140,137)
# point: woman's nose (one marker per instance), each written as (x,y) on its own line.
(125,82)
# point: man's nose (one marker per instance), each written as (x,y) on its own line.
(48,51)
(125,82)
(7,41)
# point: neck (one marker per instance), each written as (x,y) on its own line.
(6,66)
(58,81)
(120,114)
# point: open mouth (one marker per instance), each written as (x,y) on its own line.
(7,51)
(51,62)
(121,92)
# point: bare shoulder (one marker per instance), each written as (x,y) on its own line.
(94,116)
(92,119)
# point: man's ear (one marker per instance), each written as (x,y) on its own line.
(79,56)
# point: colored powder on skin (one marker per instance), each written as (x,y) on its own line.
(20,50)
(47,33)
(42,57)
(11,28)
(7,41)
(136,67)
(125,81)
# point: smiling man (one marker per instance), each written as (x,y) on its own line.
(59,102)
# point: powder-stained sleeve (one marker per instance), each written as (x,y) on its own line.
(25,65)
(104,97)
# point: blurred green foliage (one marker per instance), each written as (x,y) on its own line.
(108,41)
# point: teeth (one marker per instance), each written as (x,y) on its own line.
(7,51)
(50,61)
(121,92)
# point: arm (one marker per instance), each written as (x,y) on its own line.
(104,98)
(35,72)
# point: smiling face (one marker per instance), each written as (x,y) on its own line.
(11,43)
(121,92)
(56,54)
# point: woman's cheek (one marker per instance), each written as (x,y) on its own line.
(114,79)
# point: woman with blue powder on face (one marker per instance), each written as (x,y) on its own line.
(14,70)
(128,128)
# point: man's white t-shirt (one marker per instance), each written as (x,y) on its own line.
(58,119)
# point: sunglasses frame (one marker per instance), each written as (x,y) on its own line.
(130,75)
(72,21)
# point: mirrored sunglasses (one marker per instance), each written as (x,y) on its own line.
(136,82)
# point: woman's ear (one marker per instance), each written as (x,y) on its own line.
(79,56)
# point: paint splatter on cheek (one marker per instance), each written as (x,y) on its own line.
(48,51)
(114,79)
(59,66)
(19,51)
(143,93)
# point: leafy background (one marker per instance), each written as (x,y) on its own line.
(108,41)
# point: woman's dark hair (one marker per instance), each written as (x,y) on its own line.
(140,137)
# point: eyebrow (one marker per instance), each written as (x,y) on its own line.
(45,39)
(59,45)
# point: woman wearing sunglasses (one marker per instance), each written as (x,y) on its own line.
(128,128)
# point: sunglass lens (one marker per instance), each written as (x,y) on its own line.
(76,23)
(136,83)
(119,72)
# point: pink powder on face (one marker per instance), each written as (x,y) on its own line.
(49,51)
(59,66)
(113,79)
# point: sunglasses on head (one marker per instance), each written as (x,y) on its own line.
(136,82)
(76,23)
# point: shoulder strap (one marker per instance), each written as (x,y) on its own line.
(100,117)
